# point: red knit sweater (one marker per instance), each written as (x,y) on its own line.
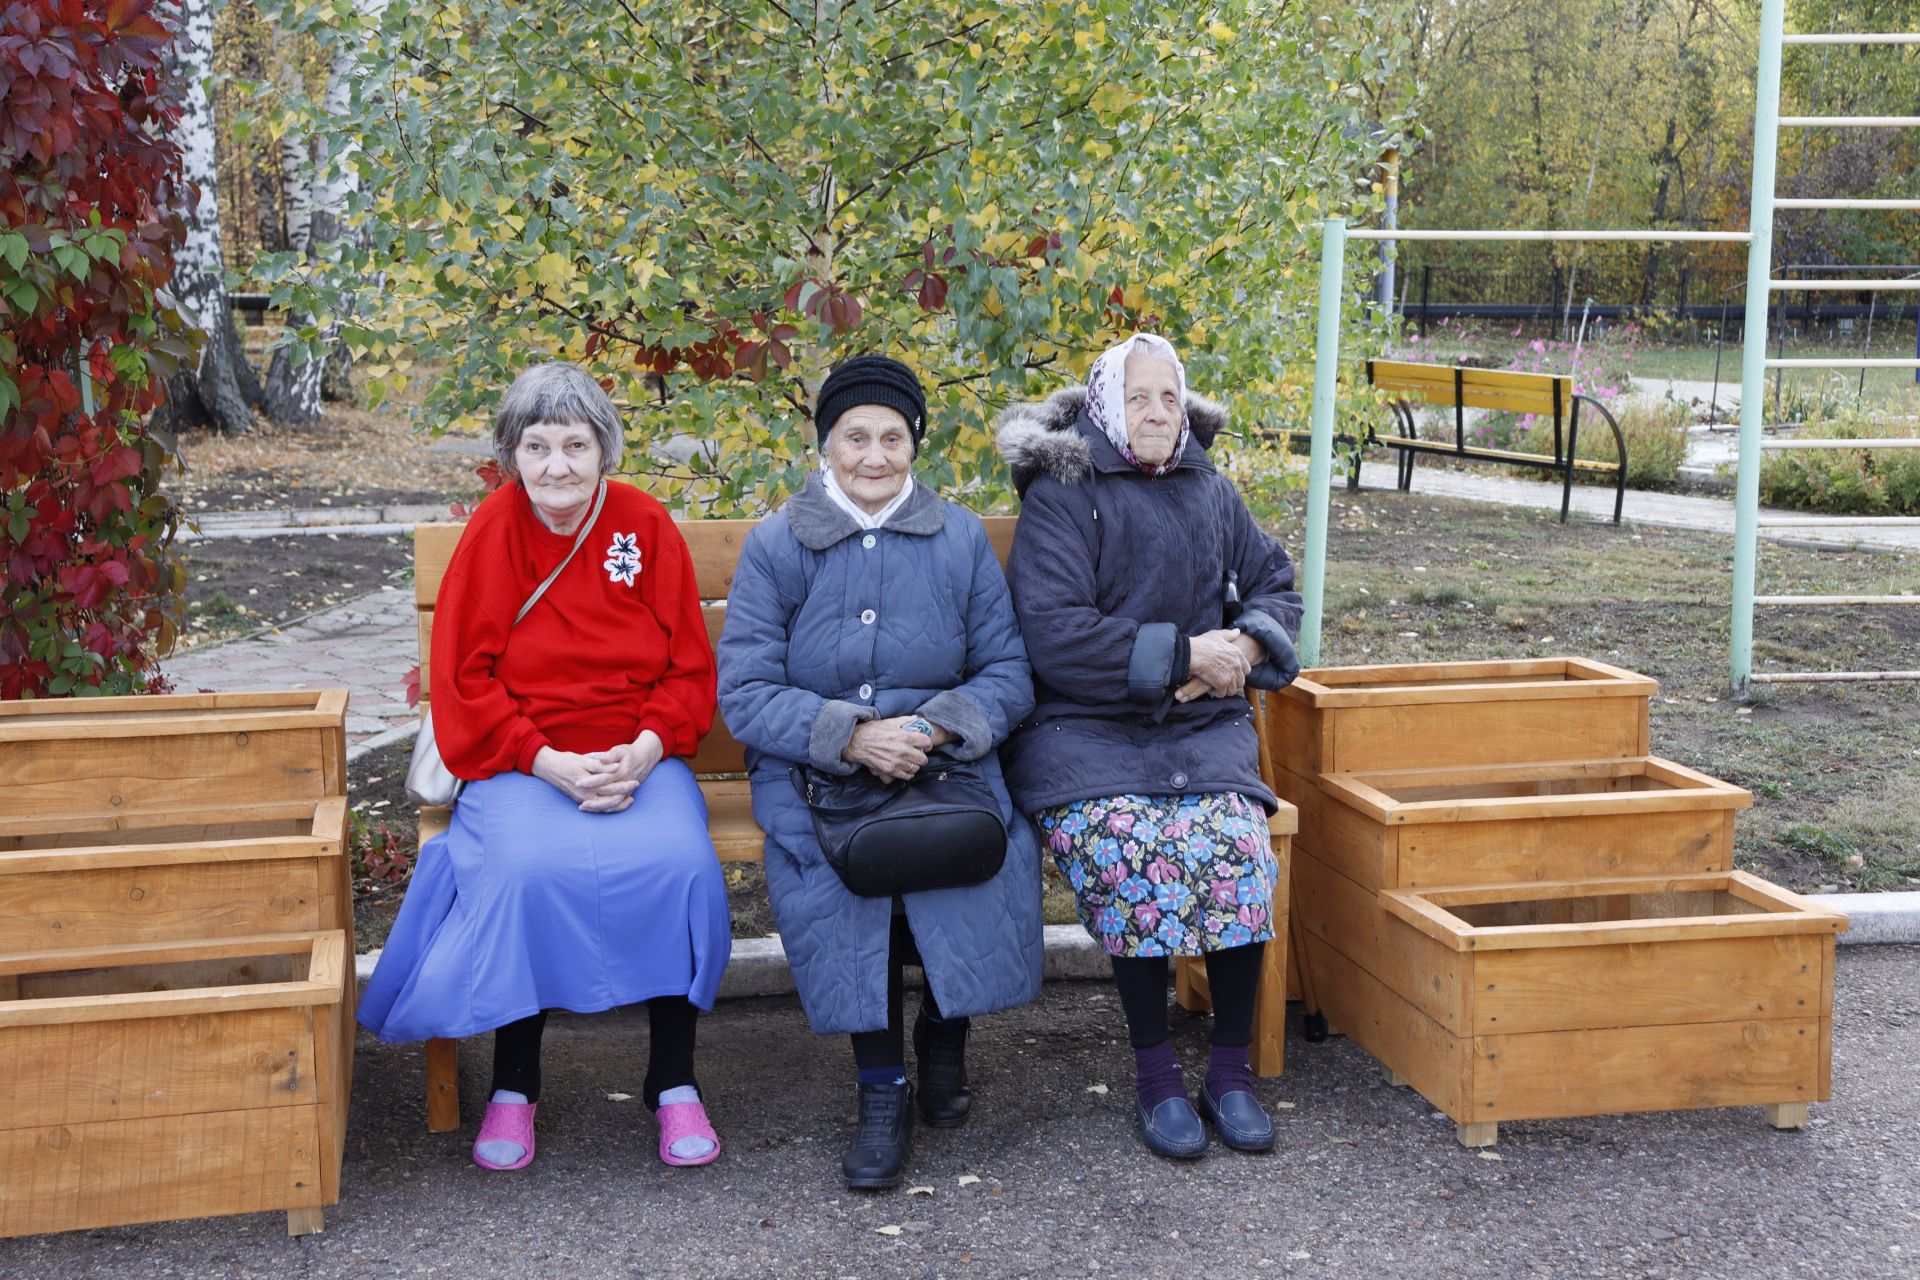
(616,645)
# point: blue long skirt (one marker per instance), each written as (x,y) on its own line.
(526,903)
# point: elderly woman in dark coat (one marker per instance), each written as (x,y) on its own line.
(869,631)
(1149,600)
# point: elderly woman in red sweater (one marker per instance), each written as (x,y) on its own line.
(578,873)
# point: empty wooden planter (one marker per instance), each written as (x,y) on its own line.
(85,757)
(1492,825)
(198,872)
(1588,998)
(172,1080)
(1444,714)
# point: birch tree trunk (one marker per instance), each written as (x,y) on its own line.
(214,391)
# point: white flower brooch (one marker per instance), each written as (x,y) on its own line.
(623,559)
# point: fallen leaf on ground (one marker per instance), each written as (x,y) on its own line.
(891,1229)
(1488,1155)
(967,1179)
(619,1097)
(1097,1088)
(1283,1106)
(919,1191)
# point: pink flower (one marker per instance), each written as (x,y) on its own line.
(1059,841)
(1160,871)
(1252,915)
(1120,824)
(1148,915)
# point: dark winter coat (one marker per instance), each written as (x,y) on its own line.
(828,626)
(1113,572)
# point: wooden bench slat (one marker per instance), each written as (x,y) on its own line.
(1476,451)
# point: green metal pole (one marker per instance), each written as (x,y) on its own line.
(1753,359)
(1326,367)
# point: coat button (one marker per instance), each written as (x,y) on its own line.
(867,616)
(1178,779)
(866,691)
(868,541)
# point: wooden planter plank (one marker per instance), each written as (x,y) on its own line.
(1452,853)
(1428,974)
(1430,1058)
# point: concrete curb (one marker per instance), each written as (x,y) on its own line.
(399,733)
(759,965)
(1876,918)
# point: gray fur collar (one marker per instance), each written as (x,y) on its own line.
(818,522)
(1043,438)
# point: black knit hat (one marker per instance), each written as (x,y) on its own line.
(871,379)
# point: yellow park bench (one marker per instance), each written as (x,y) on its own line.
(720,764)
(1543,395)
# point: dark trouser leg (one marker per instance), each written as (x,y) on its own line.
(1142,983)
(878,1153)
(671,1024)
(1233,976)
(886,1049)
(516,1056)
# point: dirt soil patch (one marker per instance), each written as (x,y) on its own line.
(237,586)
(349,458)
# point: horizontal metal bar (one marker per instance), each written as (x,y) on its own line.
(1827,677)
(1840,444)
(1834,600)
(1857,37)
(1852,122)
(1844,284)
(1796,202)
(1823,522)
(1652,237)
(1843,363)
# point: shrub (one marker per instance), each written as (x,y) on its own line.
(1881,482)
(1655,432)
(89,180)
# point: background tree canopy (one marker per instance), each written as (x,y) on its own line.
(708,203)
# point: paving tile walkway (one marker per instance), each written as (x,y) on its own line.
(368,645)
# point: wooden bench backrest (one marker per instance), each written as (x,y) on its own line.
(1460,387)
(715,545)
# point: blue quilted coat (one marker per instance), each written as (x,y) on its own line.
(827,626)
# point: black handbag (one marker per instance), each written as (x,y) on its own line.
(940,830)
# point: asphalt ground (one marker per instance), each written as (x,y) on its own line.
(1367,1180)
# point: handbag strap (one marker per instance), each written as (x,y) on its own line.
(579,540)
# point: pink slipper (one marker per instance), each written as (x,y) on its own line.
(685,1120)
(506,1122)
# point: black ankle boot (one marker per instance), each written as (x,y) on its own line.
(941,1050)
(879,1150)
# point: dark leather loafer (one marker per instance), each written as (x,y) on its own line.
(1172,1129)
(1242,1122)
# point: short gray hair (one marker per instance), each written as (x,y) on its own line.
(556,392)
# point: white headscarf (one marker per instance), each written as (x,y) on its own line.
(1107,396)
(860,518)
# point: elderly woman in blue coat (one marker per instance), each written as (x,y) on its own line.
(869,630)
(1149,600)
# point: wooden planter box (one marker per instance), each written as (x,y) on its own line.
(172,1080)
(1502,824)
(90,757)
(1447,714)
(189,873)
(1511,1002)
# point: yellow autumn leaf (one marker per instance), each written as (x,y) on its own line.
(553,268)
(1220,31)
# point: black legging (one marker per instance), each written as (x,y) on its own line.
(888,1048)
(671,1023)
(1233,976)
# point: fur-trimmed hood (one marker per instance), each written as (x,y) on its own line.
(1048,437)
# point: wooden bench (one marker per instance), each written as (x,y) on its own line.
(720,765)
(1461,388)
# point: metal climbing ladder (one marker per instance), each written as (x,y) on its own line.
(1753,369)
(1754,361)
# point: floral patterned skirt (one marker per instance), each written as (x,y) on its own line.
(1168,875)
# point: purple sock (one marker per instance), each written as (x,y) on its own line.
(1228,1070)
(1156,1075)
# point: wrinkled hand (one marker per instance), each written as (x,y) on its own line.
(889,748)
(628,763)
(1217,664)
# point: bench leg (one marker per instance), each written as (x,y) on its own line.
(443,1085)
(306,1222)
(1190,989)
(1270,1009)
